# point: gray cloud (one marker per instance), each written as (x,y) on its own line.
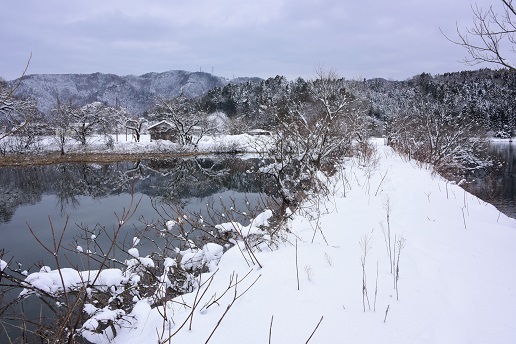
(367,38)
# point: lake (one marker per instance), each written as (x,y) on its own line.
(93,196)
(87,202)
(498,185)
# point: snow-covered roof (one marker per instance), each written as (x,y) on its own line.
(259,132)
(160,123)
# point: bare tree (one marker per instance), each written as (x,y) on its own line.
(61,122)
(132,123)
(314,131)
(187,117)
(17,134)
(439,132)
(123,119)
(491,38)
(87,119)
(15,113)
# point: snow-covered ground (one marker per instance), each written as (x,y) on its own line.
(456,272)
(124,144)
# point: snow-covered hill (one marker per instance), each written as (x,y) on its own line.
(136,93)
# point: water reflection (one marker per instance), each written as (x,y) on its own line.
(498,185)
(93,197)
(173,181)
(91,194)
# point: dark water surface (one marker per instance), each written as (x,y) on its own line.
(498,187)
(94,195)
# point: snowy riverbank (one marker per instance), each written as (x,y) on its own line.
(452,280)
(455,281)
(121,147)
(124,144)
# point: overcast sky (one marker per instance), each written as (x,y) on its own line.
(392,39)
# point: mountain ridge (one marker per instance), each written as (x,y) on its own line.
(137,94)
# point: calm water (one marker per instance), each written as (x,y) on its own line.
(498,187)
(92,195)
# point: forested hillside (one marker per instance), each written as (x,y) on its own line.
(484,96)
(135,93)
(487,96)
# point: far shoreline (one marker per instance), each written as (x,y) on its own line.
(14,160)
(97,152)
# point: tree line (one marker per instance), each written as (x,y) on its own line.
(430,118)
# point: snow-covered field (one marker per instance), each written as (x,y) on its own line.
(124,144)
(454,257)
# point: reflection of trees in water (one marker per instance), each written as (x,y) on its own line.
(170,181)
(73,180)
(66,196)
(498,184)
(19,186)
(178,179)
(181,180)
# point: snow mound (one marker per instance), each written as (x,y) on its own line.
(252,228)
(56,281)
(209,255)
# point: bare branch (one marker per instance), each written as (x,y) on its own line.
(491,38)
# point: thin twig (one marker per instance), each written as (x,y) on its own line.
(316,327)
(375,288)
(270,329)
(386,312)
(235,297)
(378,189)
(297,268)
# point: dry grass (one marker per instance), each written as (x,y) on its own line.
(56,158)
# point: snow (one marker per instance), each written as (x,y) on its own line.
(244,231)
(453,255)
(3,265)
(193,258)
(170,224)
(134,263)
(455,279)
(133,252)
(51,281)
(262,219)
(209,255)
(169,263)
(125,144)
